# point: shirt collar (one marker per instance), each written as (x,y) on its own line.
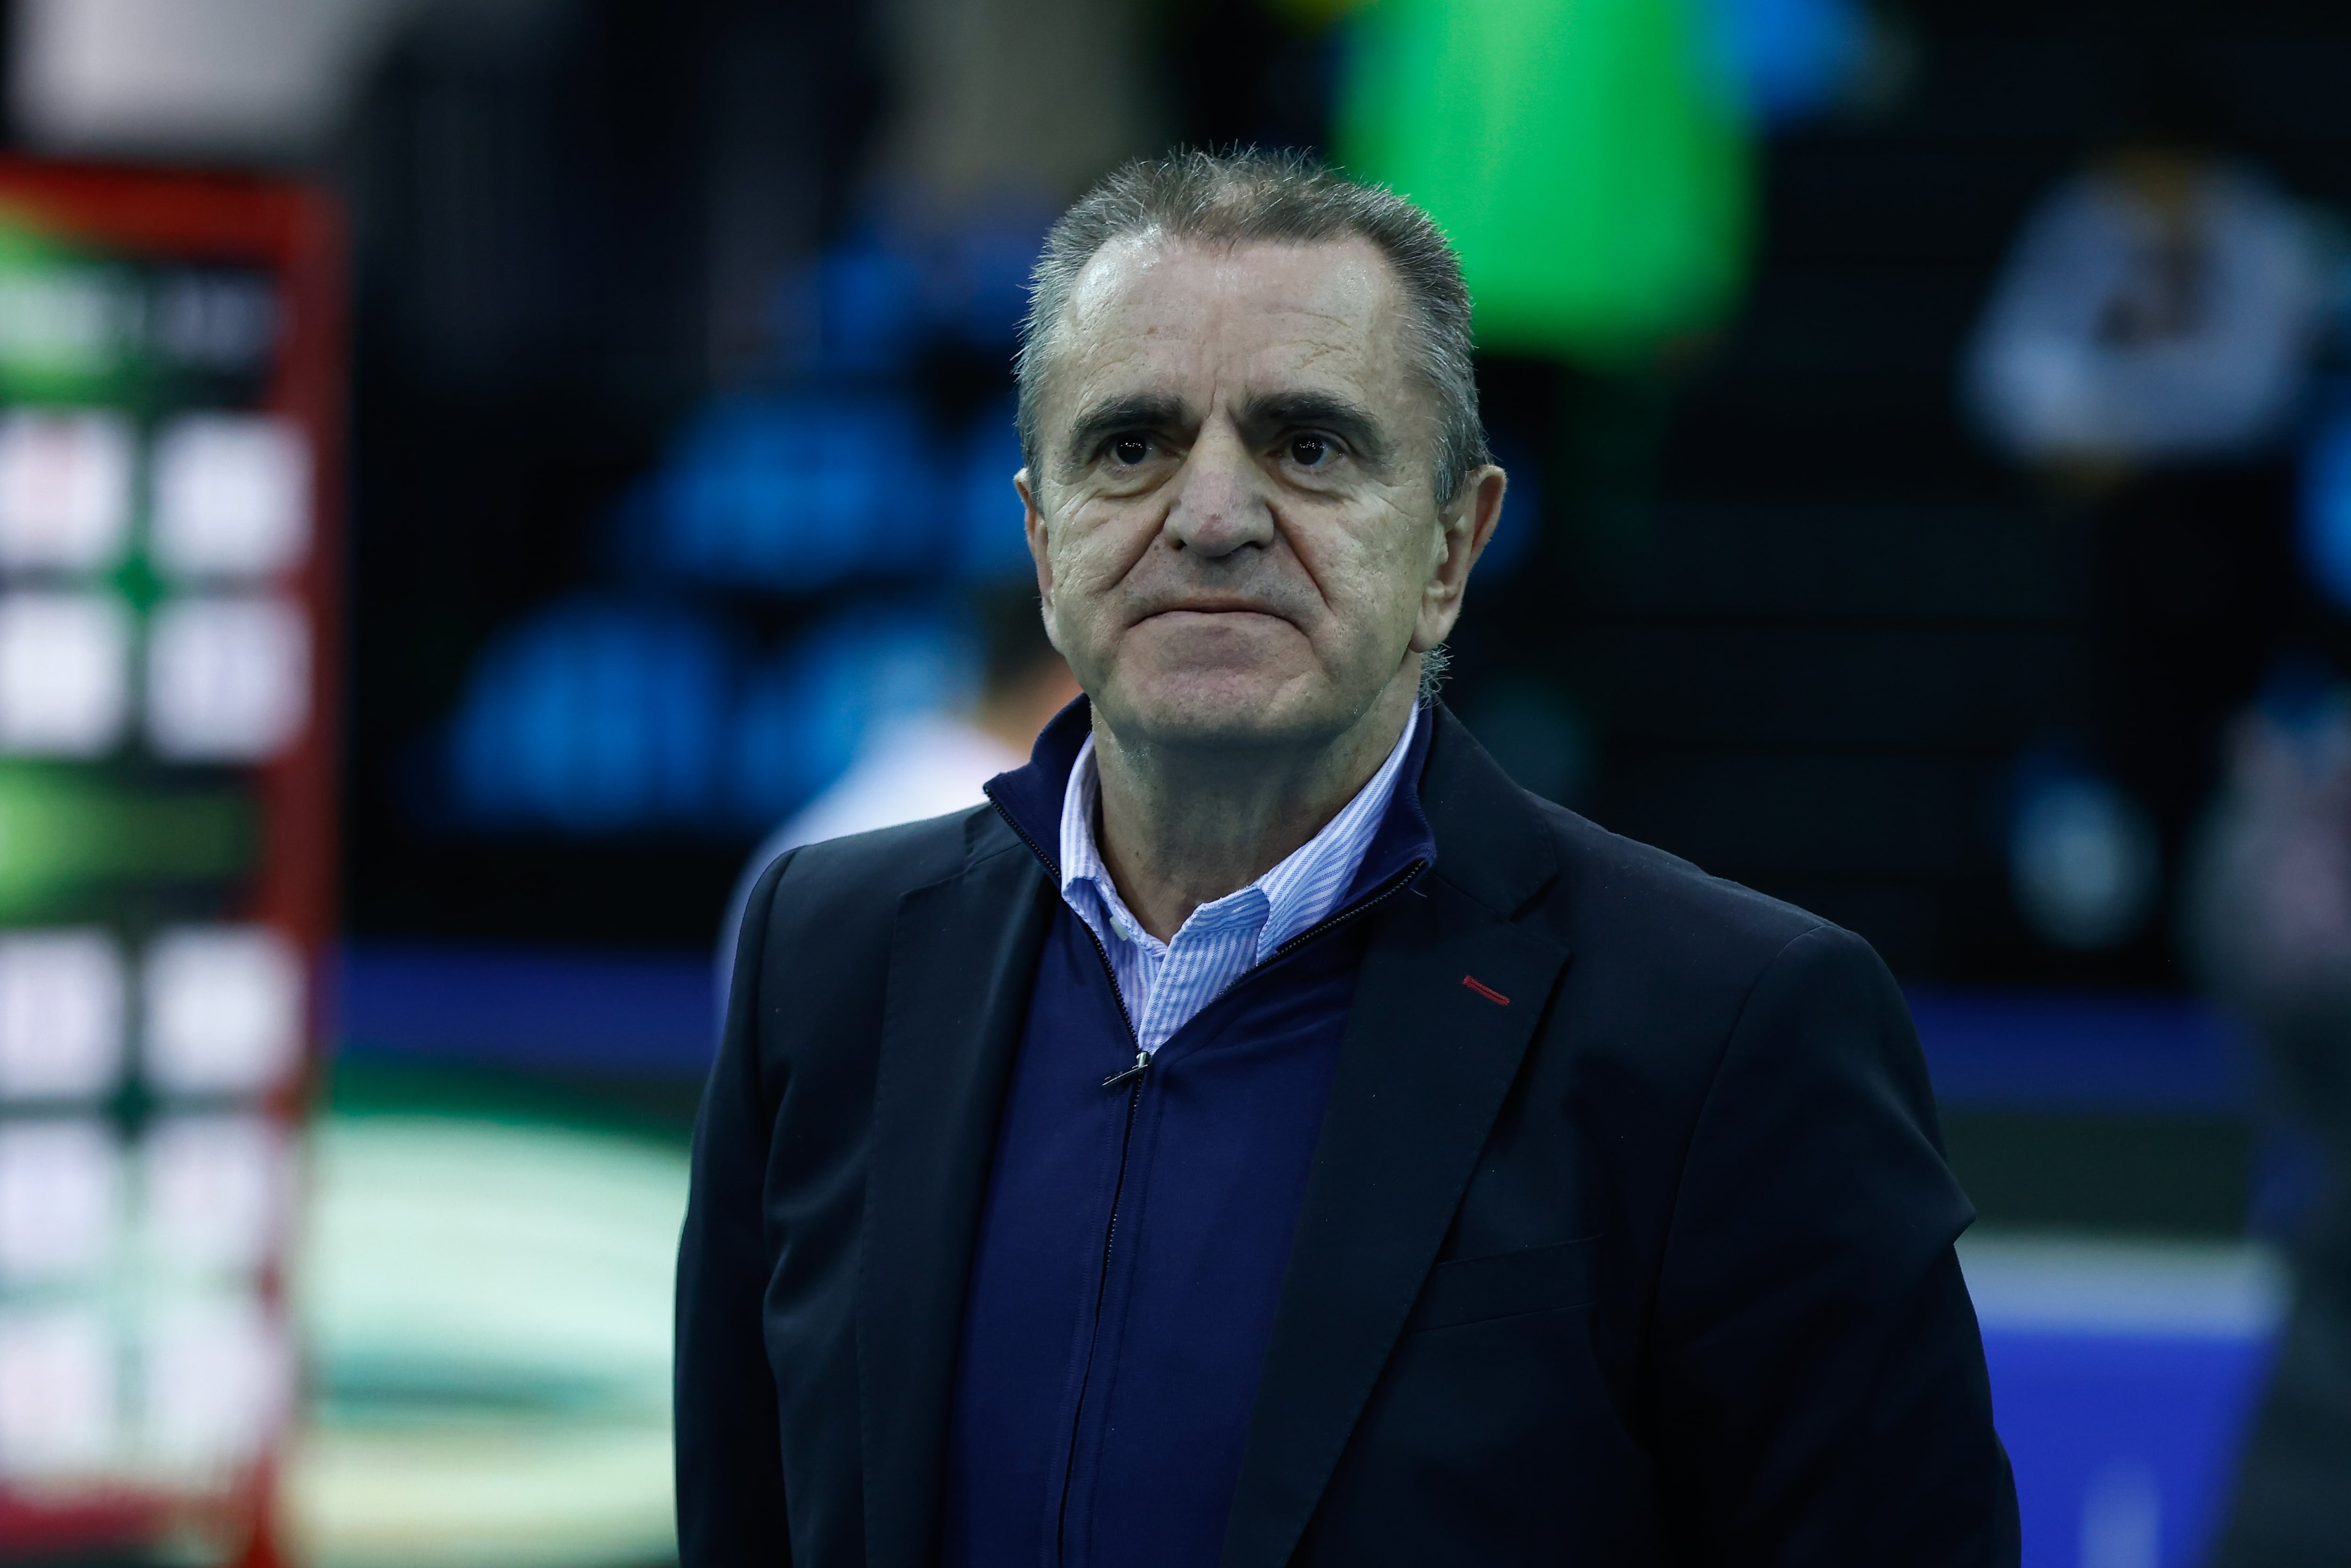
(1307,885)
(1031,797)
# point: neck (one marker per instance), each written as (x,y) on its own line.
(1182,828)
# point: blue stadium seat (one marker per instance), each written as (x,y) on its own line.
(596,714)
(805,712)
(988,545)
(791,493)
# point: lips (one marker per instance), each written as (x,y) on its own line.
(1236,595)
(1212,613)
(1211,604)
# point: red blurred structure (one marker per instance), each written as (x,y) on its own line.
(172,370)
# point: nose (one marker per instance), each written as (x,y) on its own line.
(1220,504)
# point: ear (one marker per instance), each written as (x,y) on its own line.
(1463,528)
(1032,523)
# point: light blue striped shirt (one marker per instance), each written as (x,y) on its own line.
(1165,984)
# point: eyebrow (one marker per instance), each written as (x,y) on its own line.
(1147,412)
(1291,410)
(1263,413)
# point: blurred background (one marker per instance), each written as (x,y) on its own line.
(477,475)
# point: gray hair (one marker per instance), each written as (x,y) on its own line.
(1235,198)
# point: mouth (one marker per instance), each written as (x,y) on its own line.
(1217,607)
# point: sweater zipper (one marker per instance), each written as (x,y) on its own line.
(1354,911)
(1102,1293)
(1134,1077)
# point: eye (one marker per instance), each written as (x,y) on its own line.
(1129,450)
(1313,451)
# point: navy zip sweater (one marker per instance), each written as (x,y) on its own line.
(1134,1235)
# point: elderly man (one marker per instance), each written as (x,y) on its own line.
(1264,1134)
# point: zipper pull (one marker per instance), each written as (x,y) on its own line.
(1142,1065)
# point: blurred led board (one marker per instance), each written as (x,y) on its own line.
(171,374)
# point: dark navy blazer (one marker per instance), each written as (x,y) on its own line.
(1627,1236)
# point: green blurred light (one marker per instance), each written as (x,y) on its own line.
(69,327)
(64,837)
(1590,168)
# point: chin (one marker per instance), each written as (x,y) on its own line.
(1238,708)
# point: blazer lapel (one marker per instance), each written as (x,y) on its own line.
(961,961)
(1450,994)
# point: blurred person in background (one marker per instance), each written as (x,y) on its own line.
(2269,922)
(934,763)
(1591,164)
(1265,1133)
(966,121)
(2148,349)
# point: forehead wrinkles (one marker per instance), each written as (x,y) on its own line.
(1150,296)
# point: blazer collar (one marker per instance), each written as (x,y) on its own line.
(963,956)
(1448,996)
(1490,842)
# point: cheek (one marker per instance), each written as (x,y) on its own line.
(1371,572)
(1066,537)
(1085,579)
(1097,545)
(1080,569)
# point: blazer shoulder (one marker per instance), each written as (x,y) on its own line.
(1614,887)
(1544,868)
(838,887)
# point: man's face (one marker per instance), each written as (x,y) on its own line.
(1234,521)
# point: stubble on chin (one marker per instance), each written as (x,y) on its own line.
(1239,709)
